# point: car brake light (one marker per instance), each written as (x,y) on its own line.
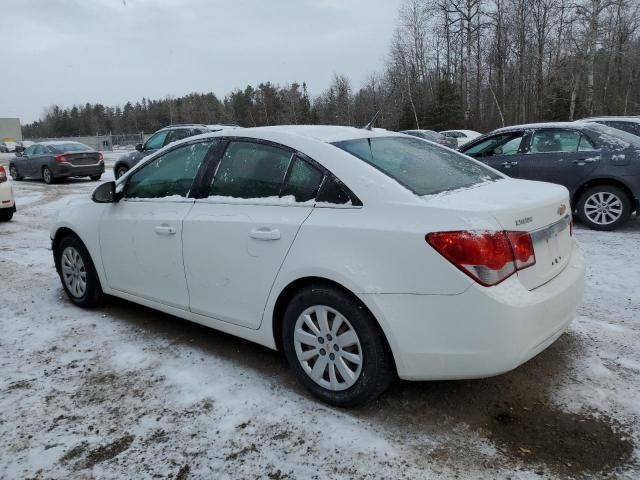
(3,174)
(60,158)
(487,257)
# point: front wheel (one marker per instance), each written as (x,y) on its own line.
(77,273)
(120,171)
(47,176)
(335,347)
(604,207)
(13,171)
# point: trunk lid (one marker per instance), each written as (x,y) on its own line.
(82,158)
(542,209)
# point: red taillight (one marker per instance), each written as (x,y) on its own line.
(60,158)
(3,174)
(100,156)
(487,257)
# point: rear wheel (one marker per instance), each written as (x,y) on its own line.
(78,275)
(120,171)
(604,207)
(335,347)
(13,171)
(6,214)
(47,176)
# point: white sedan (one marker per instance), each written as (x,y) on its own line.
(361,254)
(7,201)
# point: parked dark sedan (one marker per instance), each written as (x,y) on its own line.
(433,137)
(51,161)
(599,165)
(161,138)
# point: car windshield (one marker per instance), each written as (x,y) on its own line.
(70,147)
(604,130)
(422,167)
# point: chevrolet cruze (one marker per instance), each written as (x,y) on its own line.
(362,254)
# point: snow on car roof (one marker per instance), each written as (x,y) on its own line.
(325,133)
(529,126)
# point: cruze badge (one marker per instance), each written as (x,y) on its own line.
(561,209)
(522,221)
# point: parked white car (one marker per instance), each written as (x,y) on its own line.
(362,254)
(7,200)
(462,136)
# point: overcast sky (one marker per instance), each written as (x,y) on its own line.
(69,52)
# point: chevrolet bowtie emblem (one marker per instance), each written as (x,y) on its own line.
(561,209)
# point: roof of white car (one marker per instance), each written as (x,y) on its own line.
(322,133)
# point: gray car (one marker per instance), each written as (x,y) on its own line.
(159,139)
(433,137)
(599,165)
(51,161)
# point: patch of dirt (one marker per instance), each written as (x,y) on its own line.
(183,473)
(567,443)
(107,452)
(241,453)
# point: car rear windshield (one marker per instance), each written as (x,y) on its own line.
(70,147)
(422,167)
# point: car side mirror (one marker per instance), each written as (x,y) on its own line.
(105,193)
(139,147)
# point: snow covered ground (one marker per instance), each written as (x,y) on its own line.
(127,392)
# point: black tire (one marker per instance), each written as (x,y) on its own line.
(6,214)
(13,171)
(92,295)
(47,176)
(586,204)
(95,178)
(120,171)
(377,370)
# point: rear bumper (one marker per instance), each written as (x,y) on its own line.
(6,196)
(68,170)
(481,332)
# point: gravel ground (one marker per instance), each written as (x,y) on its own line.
(127,392)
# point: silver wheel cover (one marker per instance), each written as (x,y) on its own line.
(328,348)
(603,208)
(74,273)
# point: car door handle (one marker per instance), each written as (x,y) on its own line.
(263,233)
(509,164)
(164,230)
(582,161)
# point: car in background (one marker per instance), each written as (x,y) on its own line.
(161,138)
(600,165)
(362,254)
(10,145)
(432,136)
(7,200)
(54,160)
(462,137)
(627,124)
(3,148)
(22,146)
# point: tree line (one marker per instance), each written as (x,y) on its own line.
(475,64)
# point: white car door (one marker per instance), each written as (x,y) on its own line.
(141,236)
(237,238)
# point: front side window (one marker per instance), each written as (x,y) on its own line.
(156,141)
(250,170)
(554,140)
(502,144)
(422,167)
(170,174)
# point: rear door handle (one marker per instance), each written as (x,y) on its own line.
(509,164)
(164,230)
(582,161)
(264,233)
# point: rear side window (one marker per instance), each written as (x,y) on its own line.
(422,167)
(554,140)
(303,181)
(169,174)
(251,170)
(179,134)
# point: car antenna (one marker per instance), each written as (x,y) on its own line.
(369,126)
